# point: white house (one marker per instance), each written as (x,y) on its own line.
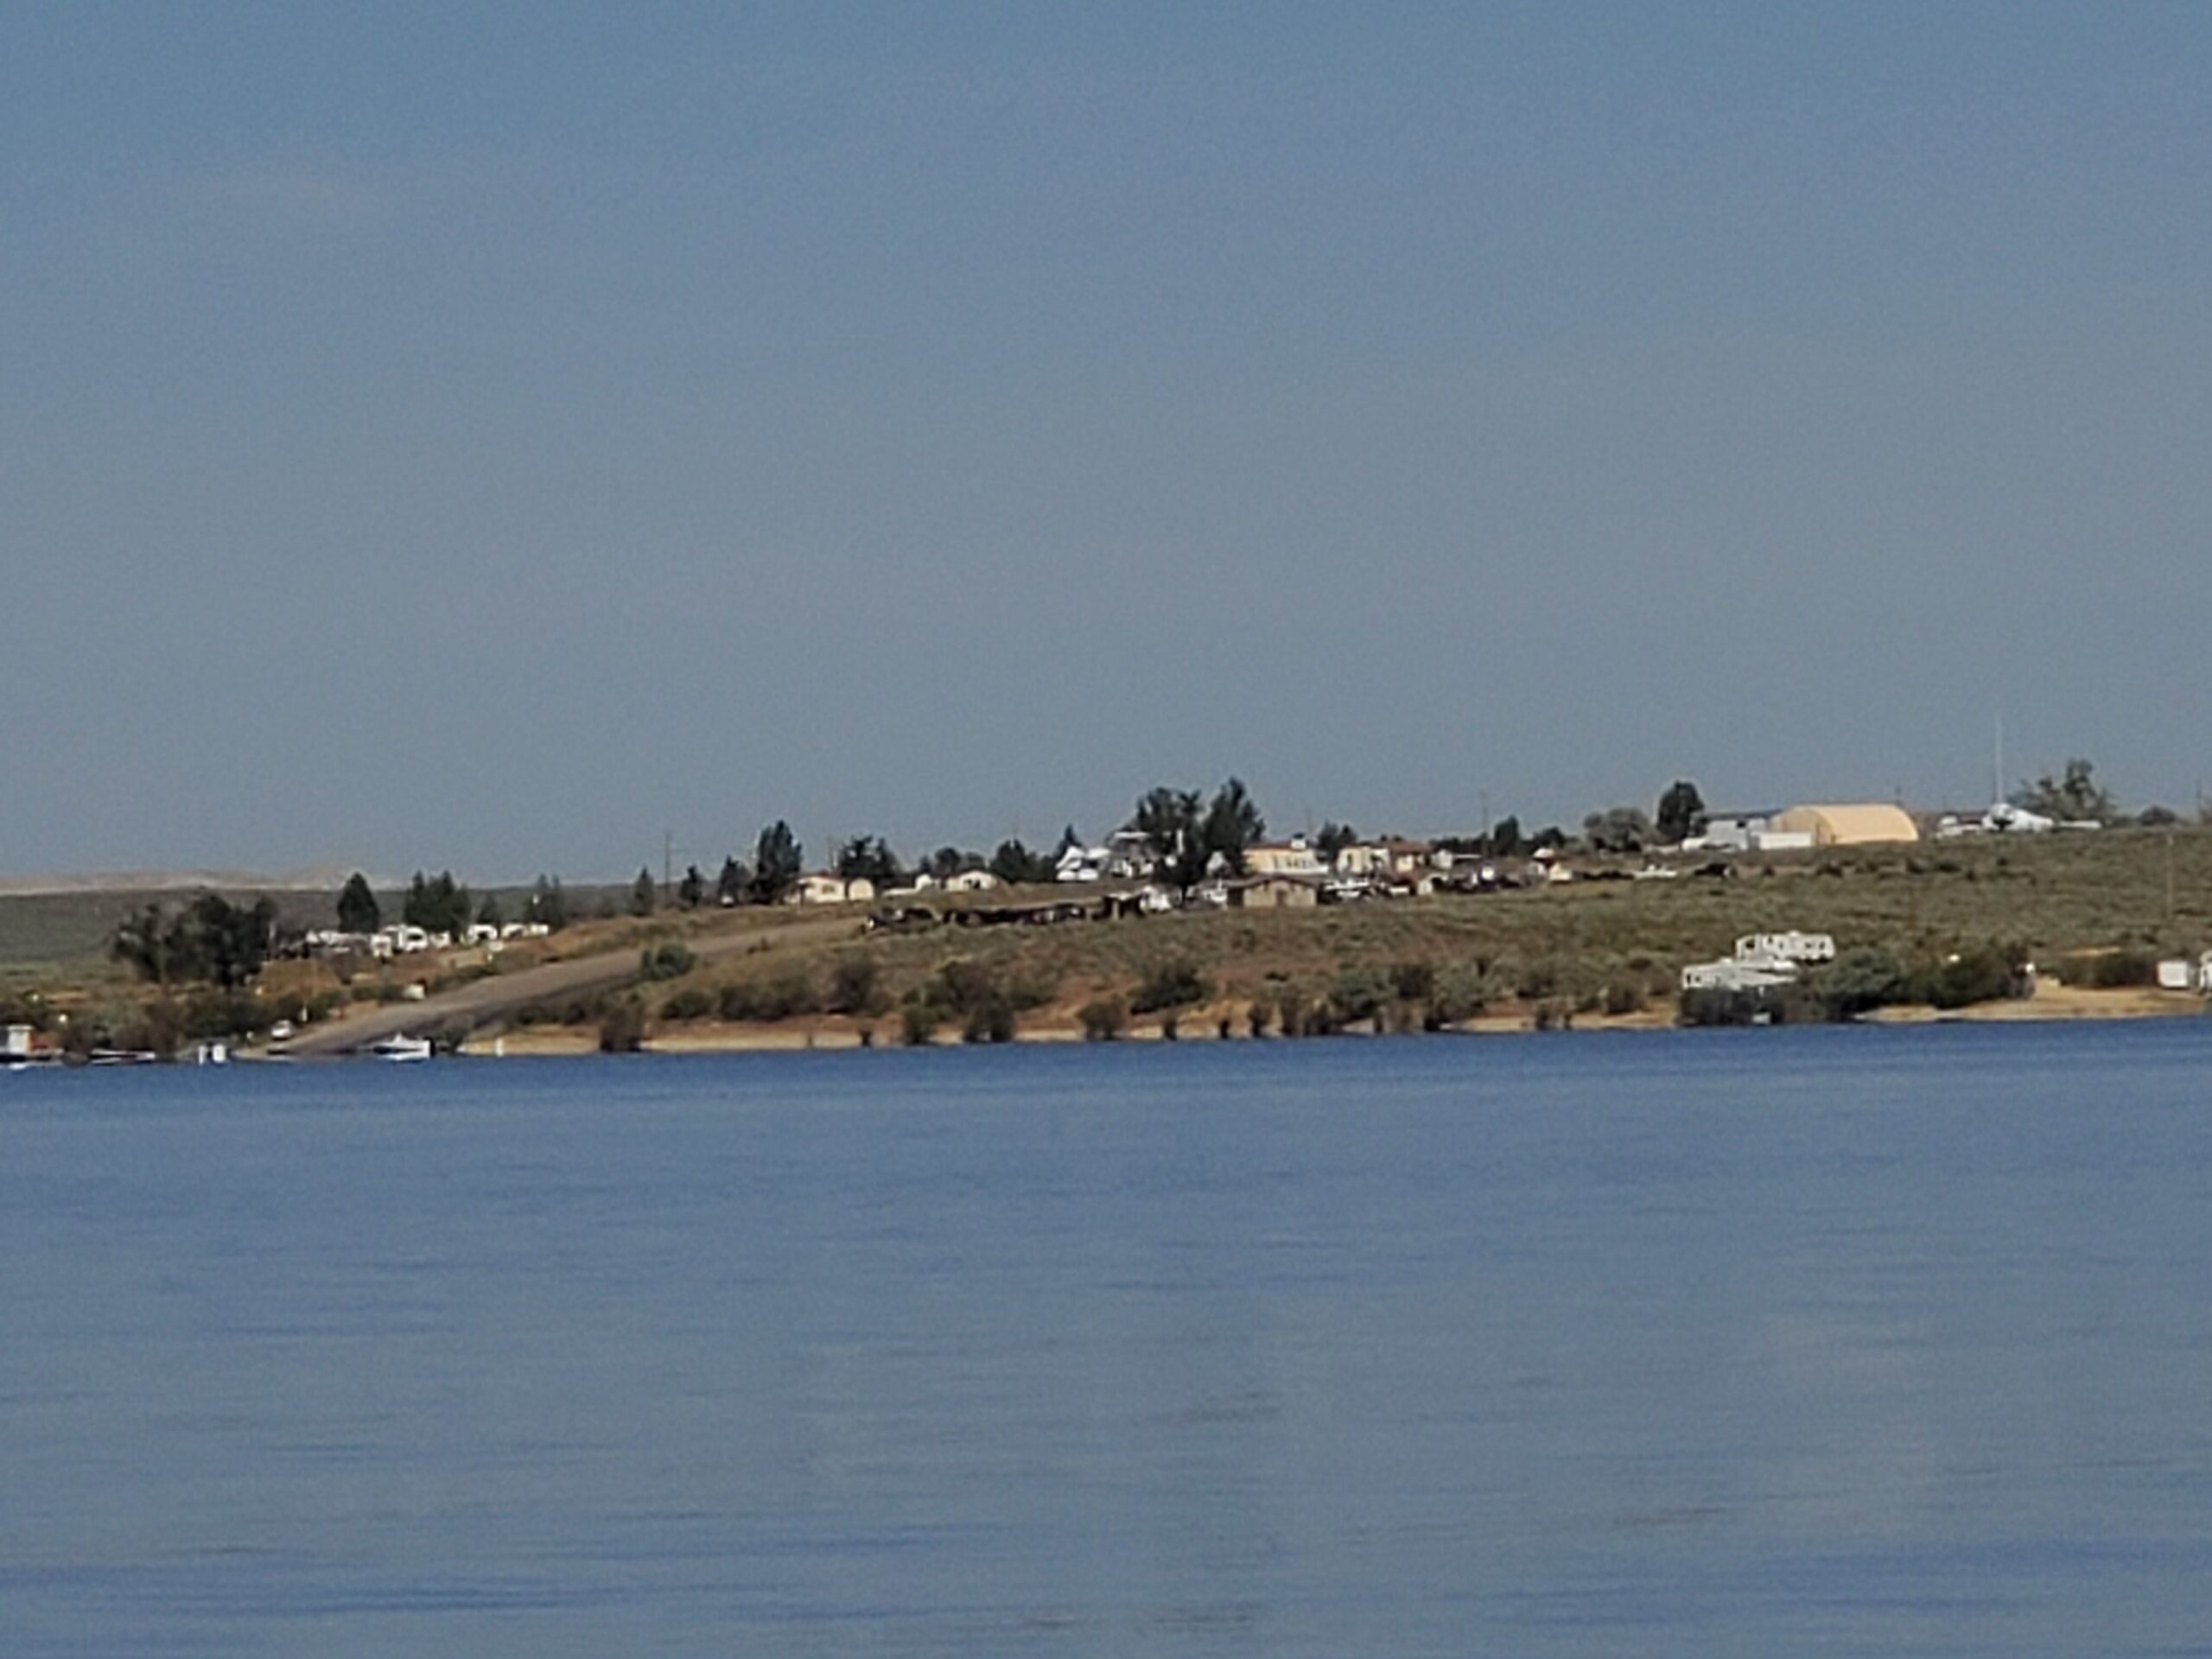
(1732,974)
(1786,947)
(827,887)
(971,882)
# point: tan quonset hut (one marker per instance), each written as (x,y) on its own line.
(1849,826)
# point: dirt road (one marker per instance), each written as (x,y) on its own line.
(484,1000)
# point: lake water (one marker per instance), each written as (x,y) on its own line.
(1824,1341)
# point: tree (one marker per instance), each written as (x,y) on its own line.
(691,892)
(1232,823)
(1681,812)
(1617,829)
(437,906)
(729,885)
(549,906)
(489,914)
(1333,839)
(358,909)
(1015,864)
(1168,819)
(868,858)
(1506,838)
(234,939)
(775,864)
(2074,794)
(1068,839)
(213,939)
(155,945)
(644,894)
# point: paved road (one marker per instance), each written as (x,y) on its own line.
(483,1001)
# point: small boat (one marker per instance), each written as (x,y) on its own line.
(400,1047)
(123,1057)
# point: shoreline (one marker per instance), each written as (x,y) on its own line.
(2051,1005)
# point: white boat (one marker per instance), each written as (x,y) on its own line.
(400,1047)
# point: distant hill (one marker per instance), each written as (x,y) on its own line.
(325,878)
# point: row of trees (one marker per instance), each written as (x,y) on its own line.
(210,939)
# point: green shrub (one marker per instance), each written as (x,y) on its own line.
(1258,1018)
(766,1000)
(1461,991)
(1988,974)
(991,1022)
(1412,982)
(1104,1018)
(1860,980)
(692,1002)
(856,987)
(916,1024)
(1360,993)
(2112,970)
(669,961)
(1175,985)
(622,1026)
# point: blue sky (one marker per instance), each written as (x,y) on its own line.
(489,437)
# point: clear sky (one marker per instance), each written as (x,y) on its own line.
(490,436)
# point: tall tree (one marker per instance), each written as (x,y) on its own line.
(1168,821)
(1232,823)
(729,885)
(776,864)
(489,914)
(233,940)
(157,946)
(644,894)
(691,892)
(548,905)
(1681,812)
(868,858)
(438,904)
(1014,863)
(1333,839)
(358,909)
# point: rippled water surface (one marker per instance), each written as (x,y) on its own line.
(1837,1341)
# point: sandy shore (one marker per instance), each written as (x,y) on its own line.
(2050,1002)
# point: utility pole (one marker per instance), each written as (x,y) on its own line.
(667,867)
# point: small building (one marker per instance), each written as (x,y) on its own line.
(827,887)
(1273,892)
(17,1042)
(1866,824)
(2178,974)
(971,882)
(1729,832)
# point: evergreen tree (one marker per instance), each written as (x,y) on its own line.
(691,892)
(358,909)
(776,866)
(548,905)
(644,895)
(729,885)
(1681,812)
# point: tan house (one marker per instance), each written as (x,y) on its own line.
(1856,825)
(1273,893)
(1293,857)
